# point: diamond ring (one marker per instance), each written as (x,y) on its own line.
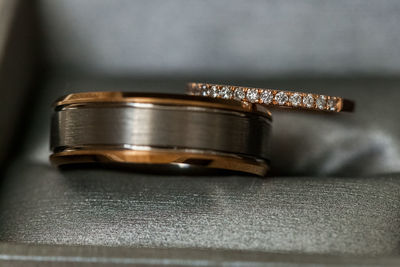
(272,97)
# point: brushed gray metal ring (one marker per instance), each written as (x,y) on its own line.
(142,128)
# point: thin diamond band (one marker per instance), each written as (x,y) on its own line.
(272,97)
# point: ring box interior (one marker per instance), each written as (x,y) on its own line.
(332,196)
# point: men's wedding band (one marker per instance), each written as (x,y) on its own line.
(160,129)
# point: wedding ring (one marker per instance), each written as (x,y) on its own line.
(272,97)
(160,129)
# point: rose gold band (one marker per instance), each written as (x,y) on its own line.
(272,97)
(165,156)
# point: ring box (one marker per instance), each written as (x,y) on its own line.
(338,205)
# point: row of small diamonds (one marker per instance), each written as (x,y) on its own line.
(267,96)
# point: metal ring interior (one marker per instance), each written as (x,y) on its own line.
(177,130)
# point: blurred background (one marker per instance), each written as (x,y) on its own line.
(221,39)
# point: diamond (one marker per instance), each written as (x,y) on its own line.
(252,95)
(204,90)
(239,94)
(196,90)
(308,101)
(225,93)
(214,91)
(332,104)
(321,102)
(267,96)
(281,98)
(295,99)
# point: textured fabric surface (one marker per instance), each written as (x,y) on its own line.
(101,207)
(310,212)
